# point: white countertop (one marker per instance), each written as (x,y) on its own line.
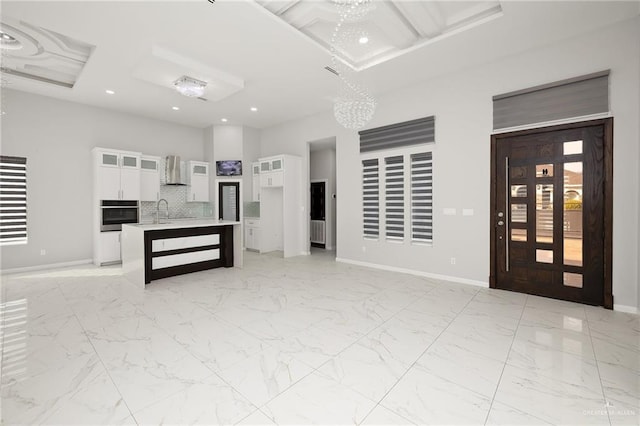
(182,223)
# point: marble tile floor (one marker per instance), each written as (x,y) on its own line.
(307,340)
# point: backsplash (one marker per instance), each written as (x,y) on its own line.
(251,209)
(176,196)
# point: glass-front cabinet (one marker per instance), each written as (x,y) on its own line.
(118,177)
(277,164)
(198,189)
(272,172)
(149,178)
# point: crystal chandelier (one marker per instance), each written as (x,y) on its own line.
(354,105)
(189,86)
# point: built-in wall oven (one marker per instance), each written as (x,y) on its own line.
(113,213)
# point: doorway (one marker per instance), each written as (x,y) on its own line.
(551,220)
(322,201)
(229,201)
(318,229)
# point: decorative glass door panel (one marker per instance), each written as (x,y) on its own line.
(548,195)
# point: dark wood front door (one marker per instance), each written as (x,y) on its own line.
(551,218)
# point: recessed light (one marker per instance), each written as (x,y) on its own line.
(175,108)
(224,120)
(254,109)
(109,92)
(363,40)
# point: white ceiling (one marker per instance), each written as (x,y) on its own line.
(392,27)
(280,69)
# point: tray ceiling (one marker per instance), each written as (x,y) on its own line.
(43,55)
(392,28)
(123,55)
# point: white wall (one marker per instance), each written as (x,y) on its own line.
(322,165)
(250,154)
(57,137)
(462,105)
(638,184)
(227,143)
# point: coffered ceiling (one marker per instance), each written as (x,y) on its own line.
(269,55)
(390,28)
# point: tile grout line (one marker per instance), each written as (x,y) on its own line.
(316,369)
(84,332)
(213,373)
(419,356)
(144,314)
(597,362)
(504,366)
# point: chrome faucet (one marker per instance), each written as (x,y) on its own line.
(158,209)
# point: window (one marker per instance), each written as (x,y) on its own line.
(422,197)
(407,198)
(394,197)
(13,200)
(371,198)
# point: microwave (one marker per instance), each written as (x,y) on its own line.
(113,213)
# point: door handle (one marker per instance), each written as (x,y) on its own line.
(506,201)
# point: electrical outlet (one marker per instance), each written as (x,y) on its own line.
(43,252)
(364,249)
(453,260)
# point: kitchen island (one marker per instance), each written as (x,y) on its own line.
(159,250)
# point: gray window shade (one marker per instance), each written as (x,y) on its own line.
(398,135)
(422,197)
(576,97)
(13,200)
(371,198)
(394,197)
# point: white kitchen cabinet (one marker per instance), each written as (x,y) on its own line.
(109,247)
(272,179)
(117,174)
(252,234)
(282,212)
(277,164)
(272,172)
(149,178)
(255,184)
(198,189)
(108,184)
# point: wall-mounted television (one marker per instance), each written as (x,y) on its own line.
(229,168)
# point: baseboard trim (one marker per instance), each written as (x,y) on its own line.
(626,308)
(414,272)
(48,266)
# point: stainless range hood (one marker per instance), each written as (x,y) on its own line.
(173,171)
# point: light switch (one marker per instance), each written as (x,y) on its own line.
(467,212)
(449,211)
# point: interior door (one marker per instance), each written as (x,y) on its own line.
(229,201)
(318,212)
(551,221)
